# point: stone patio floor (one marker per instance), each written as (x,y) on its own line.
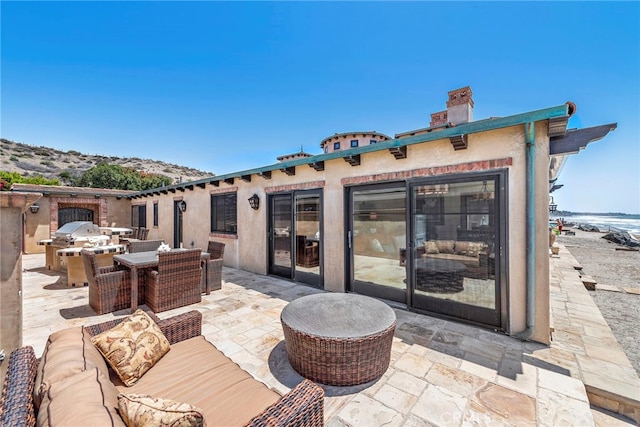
(441,372)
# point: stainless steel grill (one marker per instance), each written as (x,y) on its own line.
(76,232)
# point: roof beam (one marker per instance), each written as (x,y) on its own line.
(399,152)
(318,166)
(353,160)
(577,139)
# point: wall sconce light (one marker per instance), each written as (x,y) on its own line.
(254,202)
(552,206)
(182,205)
(34,208)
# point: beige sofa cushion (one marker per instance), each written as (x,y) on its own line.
(143,410)
(133,346)
(197,373)
(464,259)
(445,246)
(86,398)
(66,353)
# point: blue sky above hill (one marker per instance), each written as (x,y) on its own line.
(228,86)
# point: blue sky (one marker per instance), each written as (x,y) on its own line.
(228,86)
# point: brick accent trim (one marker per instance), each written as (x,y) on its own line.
(224,190)
(98,206)
(433,171)
(289,187)
(223,236)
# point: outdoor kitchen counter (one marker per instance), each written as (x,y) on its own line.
(52,261)
(115,233)
(75,268)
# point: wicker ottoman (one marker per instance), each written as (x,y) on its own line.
(338,339)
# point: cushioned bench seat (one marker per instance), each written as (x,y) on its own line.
(72,383)
(232,397)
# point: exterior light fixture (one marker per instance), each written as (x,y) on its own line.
(34,208)
(552,206)
(484,194)
(182,205)
(254,202)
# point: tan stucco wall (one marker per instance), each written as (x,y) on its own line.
(12,206)
(248,250)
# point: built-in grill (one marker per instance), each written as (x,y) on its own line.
(76,233)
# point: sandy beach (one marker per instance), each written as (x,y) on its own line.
(614,270)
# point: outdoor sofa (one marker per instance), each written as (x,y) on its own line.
(73,385)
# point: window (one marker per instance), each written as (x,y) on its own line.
(155,214)
(223,213)
(139,216)
(336,145)
(372,141)
(354,143)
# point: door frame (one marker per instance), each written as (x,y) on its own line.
(292,273)
(499,317)
(377,291)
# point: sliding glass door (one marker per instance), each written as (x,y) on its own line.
(431,244)
(377,238)
(455,231)
(295,244)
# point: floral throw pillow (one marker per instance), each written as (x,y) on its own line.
(143,410)
(132,347)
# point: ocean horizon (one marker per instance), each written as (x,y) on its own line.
(605,222)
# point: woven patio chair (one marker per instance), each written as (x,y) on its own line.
(176,283)
(144,245)
(143,233)
(212,275)
(134,233)
(109,287)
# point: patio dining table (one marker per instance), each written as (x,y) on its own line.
(143,260)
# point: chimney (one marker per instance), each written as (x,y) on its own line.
(438,118)
(460,106)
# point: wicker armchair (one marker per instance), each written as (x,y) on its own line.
(144,245)
(143,233)
(177,282)
(109,287)
(212,275)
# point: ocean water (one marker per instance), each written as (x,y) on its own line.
(605,222)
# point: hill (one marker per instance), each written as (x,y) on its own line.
(29,160)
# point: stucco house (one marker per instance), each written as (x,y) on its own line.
(448,220)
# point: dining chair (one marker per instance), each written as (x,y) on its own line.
(143,233)
(109,287)
(212,275)
(144,245)
(177,282)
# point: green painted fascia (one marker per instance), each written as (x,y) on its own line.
(461,129)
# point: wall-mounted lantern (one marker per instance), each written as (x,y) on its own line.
(552,206)
(182,205)
(34,208)
(254,202)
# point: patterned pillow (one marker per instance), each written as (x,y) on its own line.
(143,410)
(430,247)
(132,347)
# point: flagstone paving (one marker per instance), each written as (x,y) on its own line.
(441,372)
